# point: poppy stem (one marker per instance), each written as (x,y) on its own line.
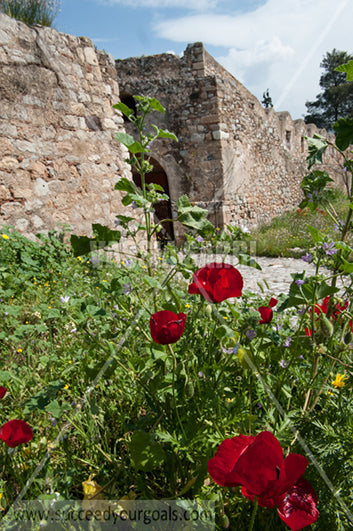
(252,521)
(173,389)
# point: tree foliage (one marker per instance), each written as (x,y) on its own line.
(336,99)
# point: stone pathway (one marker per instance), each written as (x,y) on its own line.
(276,272)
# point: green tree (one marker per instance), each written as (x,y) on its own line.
(31,12)
(336,99)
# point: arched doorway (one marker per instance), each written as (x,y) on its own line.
(163,209)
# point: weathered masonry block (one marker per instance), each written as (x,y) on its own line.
(244,162)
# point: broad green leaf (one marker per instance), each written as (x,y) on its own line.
(346,267)
(41,399)
(316,146)
(315,180)
(291,302)
(193,217)
(344,133)
(104,234)
(164,133)
(124,219)
(146,454)
(124,109)
(56,409)
(152,103)
(80,245)
(152,282)
(132,145)
(315,233)
(324,290)
(95,311)
(125,185)
(343,245)
(348,68)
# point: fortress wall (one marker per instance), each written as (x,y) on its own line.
(58,159)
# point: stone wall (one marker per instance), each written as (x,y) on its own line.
(58,159)
(244,162)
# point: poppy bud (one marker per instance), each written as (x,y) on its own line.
(225,523)
(326,327)
(189,390)
(348,337)
(208,310)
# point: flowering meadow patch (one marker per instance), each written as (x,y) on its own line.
(148,377)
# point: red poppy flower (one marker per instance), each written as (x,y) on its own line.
(336,310)
(297,506)
(217,282)
(257,465)
(15,432)
(266,311)
(3,391)
(167,327)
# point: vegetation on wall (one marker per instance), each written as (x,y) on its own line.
(31,12)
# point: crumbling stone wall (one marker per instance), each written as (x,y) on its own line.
(58,159)
(244,162)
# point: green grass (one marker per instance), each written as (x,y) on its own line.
(288,236)
(31,12)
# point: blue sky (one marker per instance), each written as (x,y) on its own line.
(275,44)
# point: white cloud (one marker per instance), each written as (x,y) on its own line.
(278,46)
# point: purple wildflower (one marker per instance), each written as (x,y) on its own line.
(287,342)
(284,364)
(307,258)
(199,239)
(64,299)
(299,282)
(127,289)
(250,334)
(329,248)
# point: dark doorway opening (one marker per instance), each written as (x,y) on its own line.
(163,209)
(128,100)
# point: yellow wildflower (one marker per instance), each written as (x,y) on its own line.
(339,382)
(5,236)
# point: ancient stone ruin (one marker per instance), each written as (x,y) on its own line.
(59,160)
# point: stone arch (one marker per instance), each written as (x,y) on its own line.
(163,209)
